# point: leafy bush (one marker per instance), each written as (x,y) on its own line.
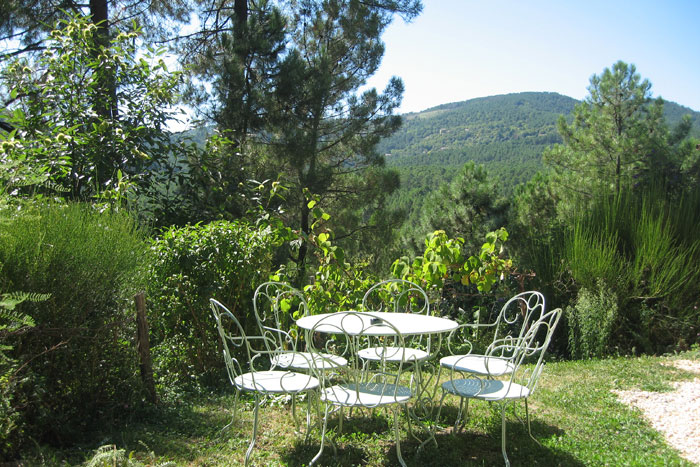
(338,283)
(77,365)
(455,280)
(591,321)
(643,246)
(222,260)
(59,107)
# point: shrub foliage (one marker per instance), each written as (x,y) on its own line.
(223,260)
(77,365)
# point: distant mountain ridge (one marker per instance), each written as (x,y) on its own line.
(488,129)
(506,133)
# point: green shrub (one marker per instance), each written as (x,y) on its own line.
(640,246)
(77,365)
(592,255)
(190,265)
(12,322)
(643,244)
(591,321)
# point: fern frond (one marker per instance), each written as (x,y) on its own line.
(11,299)
(107,455)
(53,186)
(15,318)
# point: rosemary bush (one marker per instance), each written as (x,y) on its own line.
(77,366)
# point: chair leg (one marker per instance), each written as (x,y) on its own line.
(527,417)
(431,434)
(233,417)
(340,419)
(294,413)
(323,436)
(255,430)
(463,409)
(503,432)
(459,415)
(397,434)
(442,400)
(408,417)
(308,417)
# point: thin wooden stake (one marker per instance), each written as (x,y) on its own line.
(143,347)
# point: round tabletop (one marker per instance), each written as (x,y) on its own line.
(372,323)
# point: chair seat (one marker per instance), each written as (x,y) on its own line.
(485,389)
(305,360)
(366,394)
(478,364)
(275,382)
(393,354)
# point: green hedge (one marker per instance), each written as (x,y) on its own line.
(190,265)
(77,366)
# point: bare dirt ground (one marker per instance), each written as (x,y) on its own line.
(675,414)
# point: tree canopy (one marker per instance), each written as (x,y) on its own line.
(289,88)
(617,134)
(58,129)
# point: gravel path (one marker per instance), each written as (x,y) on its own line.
(675,414)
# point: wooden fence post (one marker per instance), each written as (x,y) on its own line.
(143,347)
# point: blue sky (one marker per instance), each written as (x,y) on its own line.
(462,49)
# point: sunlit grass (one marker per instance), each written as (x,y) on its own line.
(576,420)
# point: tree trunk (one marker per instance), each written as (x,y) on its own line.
(240,10)
(106,103)
(304,248)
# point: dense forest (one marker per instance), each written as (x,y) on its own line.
(507,134)
(299,174)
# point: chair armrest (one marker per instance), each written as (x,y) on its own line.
(283,336)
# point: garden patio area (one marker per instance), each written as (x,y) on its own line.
(576,417)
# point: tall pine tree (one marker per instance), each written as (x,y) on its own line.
(291,90)
(617,133)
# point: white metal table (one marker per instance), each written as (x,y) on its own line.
(407,324)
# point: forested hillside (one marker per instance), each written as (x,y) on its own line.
(505,133)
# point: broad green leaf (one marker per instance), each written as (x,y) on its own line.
(285,305)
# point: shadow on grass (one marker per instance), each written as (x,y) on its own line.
(190,434)
(174,431)
(361,429)
(468,447)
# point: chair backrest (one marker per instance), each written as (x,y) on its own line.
(233,339)
(398,296)
(513,319)
(277,305)
(517,314)
(531,347)
(344,335)
(237,346)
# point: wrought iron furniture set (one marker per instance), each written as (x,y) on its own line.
(377,357)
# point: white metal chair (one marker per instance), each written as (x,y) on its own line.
(353,387)
(396,296)
(522,379)
(513,321)
(256,351)
(277,306)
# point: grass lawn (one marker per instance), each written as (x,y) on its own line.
(575,417)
